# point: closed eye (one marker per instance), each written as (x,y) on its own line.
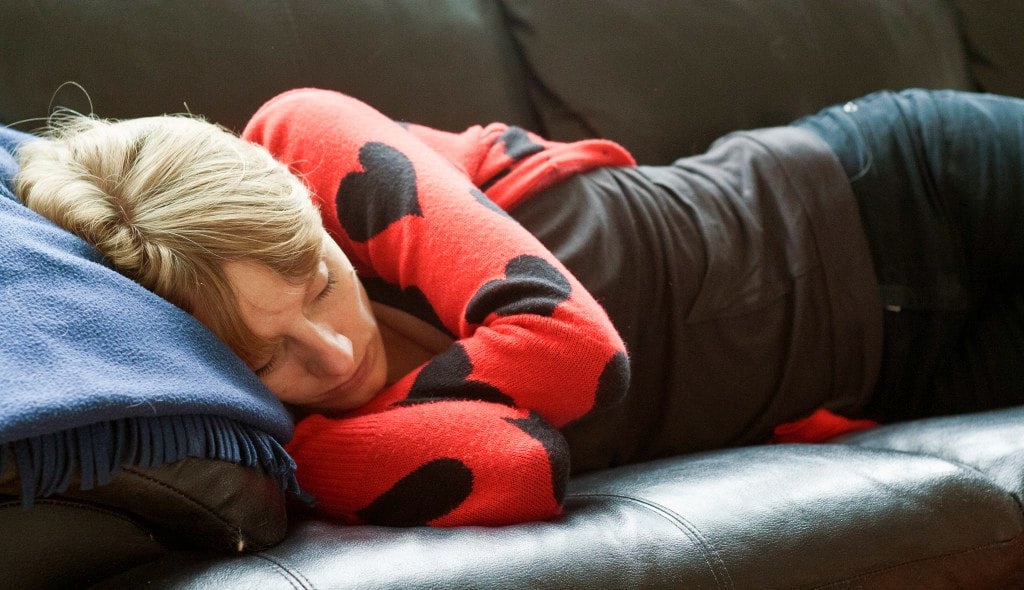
(331,280)
(328,288)
(267,368)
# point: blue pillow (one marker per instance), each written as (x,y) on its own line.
(97,373)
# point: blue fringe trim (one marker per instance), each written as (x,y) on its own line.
(46,464)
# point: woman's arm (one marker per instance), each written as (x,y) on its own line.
(510,163)
(529,335)
(446,463)
(473,426)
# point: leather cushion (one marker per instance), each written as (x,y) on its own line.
(63,544)
(447,64)
(666,83)
(995,43)
(764,517)
(992,443)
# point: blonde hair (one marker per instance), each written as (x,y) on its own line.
(168,201)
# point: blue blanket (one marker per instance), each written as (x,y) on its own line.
(97,373)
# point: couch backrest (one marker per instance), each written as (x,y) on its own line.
(446,61)
(665,78)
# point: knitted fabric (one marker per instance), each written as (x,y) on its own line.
(470,436)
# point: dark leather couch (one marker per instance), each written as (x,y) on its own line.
(928,504)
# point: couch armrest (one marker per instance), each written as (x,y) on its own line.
(82,536)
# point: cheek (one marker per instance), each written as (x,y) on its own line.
(288,383)
(353,318)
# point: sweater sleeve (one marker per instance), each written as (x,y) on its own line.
(510,163)
(529,338)
(448,463)
(528,334)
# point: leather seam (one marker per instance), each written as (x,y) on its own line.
(532,78)
(525,68)
(708,551)
(82,505)
(954,462)
(296,578)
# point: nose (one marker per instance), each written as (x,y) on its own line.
(327,353)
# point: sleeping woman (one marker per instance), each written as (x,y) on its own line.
(448,315)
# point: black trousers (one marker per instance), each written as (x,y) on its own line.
(939,180)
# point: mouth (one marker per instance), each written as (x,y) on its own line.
(352,384)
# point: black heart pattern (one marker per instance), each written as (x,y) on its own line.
(384,192)
(531,285)
(614,381)
(518,144)
(446,376)
(555,445)
(430,491)
(410,300)
(484,200)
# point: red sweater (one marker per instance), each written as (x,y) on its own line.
(471,436)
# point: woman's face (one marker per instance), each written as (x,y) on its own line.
(328,355)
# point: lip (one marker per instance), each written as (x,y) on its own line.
(352,383)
